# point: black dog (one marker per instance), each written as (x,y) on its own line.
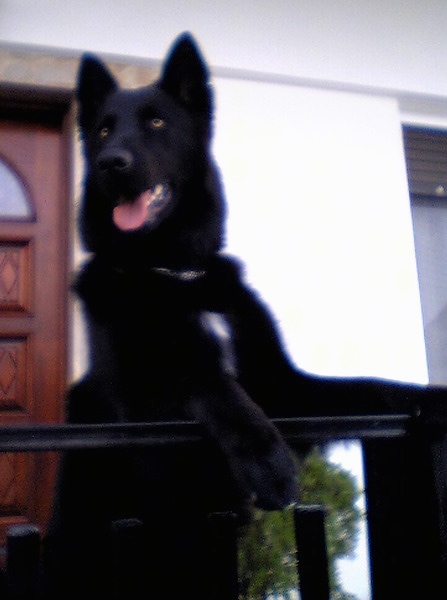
(174,334)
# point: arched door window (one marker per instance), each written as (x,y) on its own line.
(14,200)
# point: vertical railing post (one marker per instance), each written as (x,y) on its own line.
(312,558)
(23,562)
(224,558)
(128,569)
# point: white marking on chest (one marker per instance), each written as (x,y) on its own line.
(219,328)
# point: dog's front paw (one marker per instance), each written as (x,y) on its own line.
(264,468)
(260,461)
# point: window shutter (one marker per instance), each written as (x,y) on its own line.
(426,156)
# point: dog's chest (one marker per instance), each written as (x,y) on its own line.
(172,316)
(219,328)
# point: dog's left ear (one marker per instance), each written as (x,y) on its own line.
(185,75)
(94,84)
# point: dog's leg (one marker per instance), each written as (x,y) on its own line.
(259,459)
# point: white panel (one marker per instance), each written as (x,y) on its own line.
(319,211)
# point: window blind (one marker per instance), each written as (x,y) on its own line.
(426,156)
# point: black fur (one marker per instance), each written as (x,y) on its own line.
(148,292)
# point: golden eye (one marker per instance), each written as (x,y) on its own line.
(104,132)
(157,123)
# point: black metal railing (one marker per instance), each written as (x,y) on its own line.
(33,438)
(388,440)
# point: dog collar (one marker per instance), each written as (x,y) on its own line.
(187,275)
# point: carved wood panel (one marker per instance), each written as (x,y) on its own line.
(13,355)
(14,277)
(13,475)
(33,298)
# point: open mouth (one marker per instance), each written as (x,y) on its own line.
(145,209)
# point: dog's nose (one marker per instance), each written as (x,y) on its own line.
(116,161)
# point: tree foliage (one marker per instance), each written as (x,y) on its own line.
(267,550)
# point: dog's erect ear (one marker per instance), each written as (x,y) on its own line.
(185,75)
(94,83)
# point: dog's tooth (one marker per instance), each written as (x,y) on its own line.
(158,190)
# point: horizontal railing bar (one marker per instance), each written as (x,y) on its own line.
(44,437)
(29,438)
(364,427)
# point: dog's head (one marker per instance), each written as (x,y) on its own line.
(150,183)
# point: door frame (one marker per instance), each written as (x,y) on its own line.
(40,106)
(38,85)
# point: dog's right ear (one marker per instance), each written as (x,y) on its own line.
(94,84)
(185,75)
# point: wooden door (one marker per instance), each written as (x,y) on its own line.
(33,298)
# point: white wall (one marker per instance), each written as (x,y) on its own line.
(315,178)
(393,44)
(319,210)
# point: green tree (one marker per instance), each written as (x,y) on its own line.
(267,561)
(267,550)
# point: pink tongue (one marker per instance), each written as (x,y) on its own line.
(129,216)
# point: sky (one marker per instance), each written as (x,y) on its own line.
(354,571)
